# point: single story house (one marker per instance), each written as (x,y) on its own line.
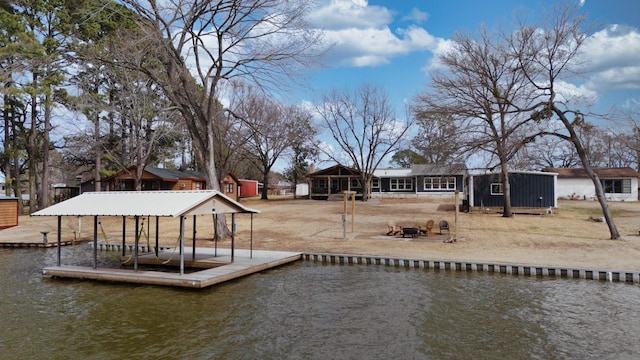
(528,189)
(619,184)
(419,180)
(154,178)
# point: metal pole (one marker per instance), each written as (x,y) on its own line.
(124,235)
(457,210)
(233,234)
(215,235)
(181,245)
(59,239)
(251,239)
(135,245)
(193,251)
(157,236)
(95,242)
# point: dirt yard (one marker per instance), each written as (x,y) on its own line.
(568,238)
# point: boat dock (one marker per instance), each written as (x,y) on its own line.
(216,267)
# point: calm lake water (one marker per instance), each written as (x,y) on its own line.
(309,310)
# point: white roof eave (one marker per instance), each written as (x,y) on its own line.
(146,203)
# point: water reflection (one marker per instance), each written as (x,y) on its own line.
(310,310)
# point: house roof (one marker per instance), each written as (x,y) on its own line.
(170,175)
(146,203)
(437,169)
(337,170)
(603,173)
(174,174)
(404,172)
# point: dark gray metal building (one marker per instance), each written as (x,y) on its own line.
(528,189)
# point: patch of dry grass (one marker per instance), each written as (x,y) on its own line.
(567,238)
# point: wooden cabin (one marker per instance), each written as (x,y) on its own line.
(8,211)
(154,178)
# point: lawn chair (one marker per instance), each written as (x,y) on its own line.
(392,228)
(428,230)
(444,225)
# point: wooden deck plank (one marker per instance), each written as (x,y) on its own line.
(242,266)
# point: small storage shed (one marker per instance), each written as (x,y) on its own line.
(8,211)
(248,188)
(529,189)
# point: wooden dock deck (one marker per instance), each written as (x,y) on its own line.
(217,269)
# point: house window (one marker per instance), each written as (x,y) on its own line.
(439,183)
(198,186)
(617,186)
(401,184)
(228,188)
(375,183)
(496,189)
(320,183)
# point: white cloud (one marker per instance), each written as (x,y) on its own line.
(416,15)
(340,14)
(577,94)
(612,58)
(360,35)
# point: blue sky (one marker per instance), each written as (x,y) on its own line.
(391,43)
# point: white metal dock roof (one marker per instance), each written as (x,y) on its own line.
(146,203)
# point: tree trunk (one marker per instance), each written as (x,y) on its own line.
(44,198)
(506,190)
(31,149)
(98,154)
(265,186)
(582,154)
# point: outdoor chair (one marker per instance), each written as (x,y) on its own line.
(444,225)
(428,230)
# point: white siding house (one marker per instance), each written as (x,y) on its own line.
(620,184)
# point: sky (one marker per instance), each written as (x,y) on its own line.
(393,43)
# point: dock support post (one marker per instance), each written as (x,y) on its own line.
(215,235)
(95,242)
(124,235)
(157,235)
(181,245)
(59,238)
(193,250)
(233,234)
(135,245)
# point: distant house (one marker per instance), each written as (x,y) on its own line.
(333,181)
(619,184)
(8,211)
(154,178)
(420,180)
(528,189)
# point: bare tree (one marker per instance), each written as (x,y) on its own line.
(484,93)
(546,152)
(272,129)
(263,41)
(433,141)
(546,54)
(365,127)
(202,45)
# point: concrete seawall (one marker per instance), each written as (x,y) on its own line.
(513,269)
